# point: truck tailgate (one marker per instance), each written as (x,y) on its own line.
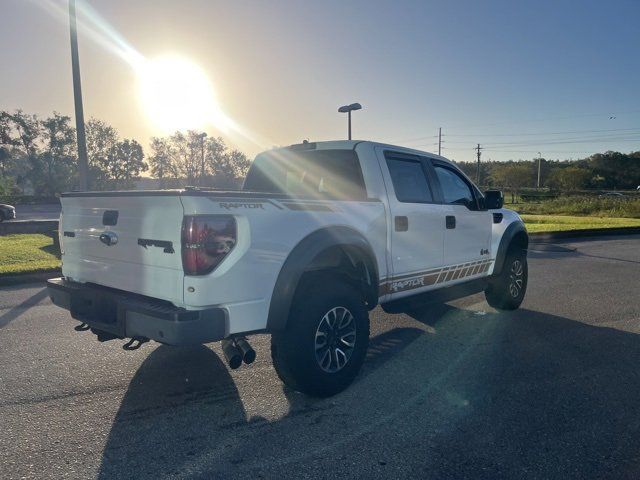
(140,246)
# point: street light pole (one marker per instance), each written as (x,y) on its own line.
(348,109)
(539,162)
(83,167)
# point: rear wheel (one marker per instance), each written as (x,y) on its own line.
(506,291)
(325,342)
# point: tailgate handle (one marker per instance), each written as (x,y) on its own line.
(164,244)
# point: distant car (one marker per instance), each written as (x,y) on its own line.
(612,194)
(7,212)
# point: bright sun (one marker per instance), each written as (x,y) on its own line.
(176,95)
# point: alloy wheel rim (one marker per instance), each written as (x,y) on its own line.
(335,339)
(516,278)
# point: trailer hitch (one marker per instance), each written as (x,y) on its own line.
(83,327)
(135,343)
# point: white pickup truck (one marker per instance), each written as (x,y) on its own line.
(319,235)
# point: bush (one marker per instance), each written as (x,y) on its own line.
(623,207)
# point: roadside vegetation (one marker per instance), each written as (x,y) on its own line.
(562,223)
(38,157)
(623,207)
(27,253)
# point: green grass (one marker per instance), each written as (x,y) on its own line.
(624,207)
(558,223)
(27,253)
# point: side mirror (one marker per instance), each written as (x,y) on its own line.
(493,199)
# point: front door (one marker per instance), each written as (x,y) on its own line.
(467,237)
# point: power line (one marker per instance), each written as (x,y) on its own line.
(538,134)
(607,115)
(544,142)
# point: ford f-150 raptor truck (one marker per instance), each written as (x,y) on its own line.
(319,234)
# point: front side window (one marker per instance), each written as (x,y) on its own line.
(409,181)
(455,189)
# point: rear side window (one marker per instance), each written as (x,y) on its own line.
(409,181)
(333,174)
(455,190)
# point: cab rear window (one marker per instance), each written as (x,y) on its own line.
(328,174)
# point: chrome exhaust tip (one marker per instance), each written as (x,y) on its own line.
(232,353)
(248,353)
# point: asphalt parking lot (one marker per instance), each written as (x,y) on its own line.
(457,391)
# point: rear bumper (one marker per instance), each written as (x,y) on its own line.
(124,314)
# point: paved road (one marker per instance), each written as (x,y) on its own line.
(459,391)
(38,212)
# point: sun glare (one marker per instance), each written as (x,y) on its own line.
(177,95)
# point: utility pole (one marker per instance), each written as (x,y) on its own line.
(478,170)
(440,141)
(83,167)
(539,162)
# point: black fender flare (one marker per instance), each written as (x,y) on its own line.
(301,257)
(514,232)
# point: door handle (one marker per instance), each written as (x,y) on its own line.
(401,223)
(450,222)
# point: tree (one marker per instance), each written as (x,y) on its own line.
(53,169)
(183,158)
(215,156)
(236,164)
(127,162)
(569,178)
(512,176)
(102,140)
(27,130)
(161,161)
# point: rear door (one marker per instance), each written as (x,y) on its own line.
(467,237)
(417,224)
(140,248)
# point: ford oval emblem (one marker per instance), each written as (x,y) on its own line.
(109,238)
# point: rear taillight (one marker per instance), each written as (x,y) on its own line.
(206,241)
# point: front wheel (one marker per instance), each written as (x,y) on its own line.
(325,342)
(506,291)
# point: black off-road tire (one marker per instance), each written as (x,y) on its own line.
(506,291)
(1,216)
(302,366)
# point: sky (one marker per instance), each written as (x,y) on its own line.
(557,77)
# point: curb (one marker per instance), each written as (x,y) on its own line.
(13,227)
(592,232)
(37,277)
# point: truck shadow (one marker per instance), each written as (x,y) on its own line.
(513,394)
(169,414)
(11,314)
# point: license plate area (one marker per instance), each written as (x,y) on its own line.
(97,310)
